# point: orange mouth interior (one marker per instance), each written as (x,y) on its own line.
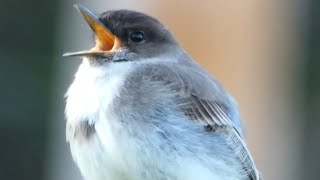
(106,44)
(106,41)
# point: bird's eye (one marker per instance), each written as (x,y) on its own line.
(136,36)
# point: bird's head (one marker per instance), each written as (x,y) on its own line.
(124,35)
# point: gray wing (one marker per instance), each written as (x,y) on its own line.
(205,101)
(214,118)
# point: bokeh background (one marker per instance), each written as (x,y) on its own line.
(265,52)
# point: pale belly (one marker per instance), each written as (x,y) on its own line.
(113,153)
(98,163)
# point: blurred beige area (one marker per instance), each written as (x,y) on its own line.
(251,46)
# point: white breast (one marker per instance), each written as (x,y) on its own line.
(88,98)
(94,88)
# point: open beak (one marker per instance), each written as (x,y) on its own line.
(105,41)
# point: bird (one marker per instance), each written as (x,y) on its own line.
(140,108)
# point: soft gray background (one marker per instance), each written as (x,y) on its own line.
(266,53)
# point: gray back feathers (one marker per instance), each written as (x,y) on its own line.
(187,89)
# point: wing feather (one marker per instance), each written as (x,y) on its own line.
(210,114)
(206,102)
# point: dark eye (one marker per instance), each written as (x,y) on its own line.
(136,36)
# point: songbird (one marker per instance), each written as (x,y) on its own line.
(140,108)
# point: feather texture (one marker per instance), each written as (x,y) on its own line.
(155,120)
(203,100)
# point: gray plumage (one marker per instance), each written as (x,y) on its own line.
(157,115)
(197,96)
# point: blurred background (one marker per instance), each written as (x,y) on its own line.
(265,52)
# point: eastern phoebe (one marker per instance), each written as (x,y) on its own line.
(141,109)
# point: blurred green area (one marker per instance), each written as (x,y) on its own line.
(311,146)
(26,53)
(27,57)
